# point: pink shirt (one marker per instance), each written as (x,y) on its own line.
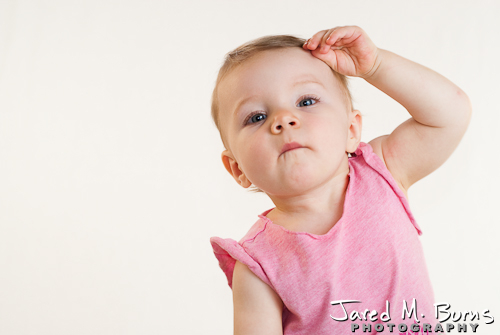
(372,255)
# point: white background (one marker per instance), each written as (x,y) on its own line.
(111,182)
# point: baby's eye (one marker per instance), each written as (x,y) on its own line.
(308,101)
(257,117)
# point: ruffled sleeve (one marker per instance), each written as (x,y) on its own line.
(229,251)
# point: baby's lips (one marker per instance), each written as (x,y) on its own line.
(290,146)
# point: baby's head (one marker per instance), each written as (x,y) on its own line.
(271,92)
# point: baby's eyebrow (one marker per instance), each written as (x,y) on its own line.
(242,102)
(308,81)
(297,83)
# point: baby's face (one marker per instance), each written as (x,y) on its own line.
(276,98)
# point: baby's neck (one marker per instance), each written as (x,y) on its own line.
(315,213)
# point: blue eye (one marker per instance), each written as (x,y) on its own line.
(307,101)
(255,117)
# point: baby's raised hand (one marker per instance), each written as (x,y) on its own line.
(348,50)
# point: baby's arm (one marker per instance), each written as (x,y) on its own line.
(257,308)
(440,110)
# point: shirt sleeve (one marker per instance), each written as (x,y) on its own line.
(228,251)
(376,163)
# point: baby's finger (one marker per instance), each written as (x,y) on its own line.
(305,44)
(342,35)
(315,40)
(325,43)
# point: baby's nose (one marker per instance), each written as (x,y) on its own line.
(291,123)
(284,120)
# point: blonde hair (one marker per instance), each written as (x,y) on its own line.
(244,52)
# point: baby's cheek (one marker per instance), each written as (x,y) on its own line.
(258,163)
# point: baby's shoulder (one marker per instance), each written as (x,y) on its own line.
(376,145)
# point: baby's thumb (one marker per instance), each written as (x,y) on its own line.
(329,58)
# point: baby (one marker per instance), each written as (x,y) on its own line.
(340,251)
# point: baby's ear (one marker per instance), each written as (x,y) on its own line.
(354,131)
(232,167)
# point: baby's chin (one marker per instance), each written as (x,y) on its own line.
(301,178)
(291,187)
